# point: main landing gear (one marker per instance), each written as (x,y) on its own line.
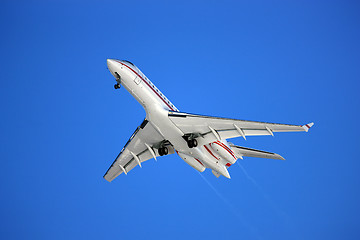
(163,151)
(190,139)
(192,143)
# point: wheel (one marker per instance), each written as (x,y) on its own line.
(161,151)
(165,150)
(190,144)
(117,86)
(194,142)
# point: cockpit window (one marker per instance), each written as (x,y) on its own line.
(128,62)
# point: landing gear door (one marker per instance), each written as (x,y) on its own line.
(137,80)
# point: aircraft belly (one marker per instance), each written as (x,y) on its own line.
(160,120)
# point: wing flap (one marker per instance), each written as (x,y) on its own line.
(249,152)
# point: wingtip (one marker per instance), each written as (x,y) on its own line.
(278,157)
(107,179)
(307,126)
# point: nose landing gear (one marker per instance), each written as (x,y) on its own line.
(118,80)
(117,86)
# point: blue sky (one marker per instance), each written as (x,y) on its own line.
(62,123)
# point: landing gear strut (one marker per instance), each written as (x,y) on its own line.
(192,143)
(163,151)
(118,80)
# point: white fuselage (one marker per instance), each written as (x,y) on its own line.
(157,107)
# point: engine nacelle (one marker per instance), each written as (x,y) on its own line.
(224,150)
(195,163)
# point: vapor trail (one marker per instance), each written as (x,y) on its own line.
(279,212)
(273,205)
(233,209)
(250,178)
(217,192)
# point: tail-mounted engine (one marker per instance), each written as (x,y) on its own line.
(223,149)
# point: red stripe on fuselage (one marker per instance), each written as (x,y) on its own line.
(146,84)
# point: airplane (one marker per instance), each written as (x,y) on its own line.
(201,141)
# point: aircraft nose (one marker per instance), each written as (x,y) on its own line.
(110,63)
(112,66)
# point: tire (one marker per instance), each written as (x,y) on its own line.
(165,150)
(190,144)
(194,142)
(161,151)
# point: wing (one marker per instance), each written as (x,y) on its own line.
(214,128)
(140,148)
(249,152)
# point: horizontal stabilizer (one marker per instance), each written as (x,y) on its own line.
(307,126)
(248,152)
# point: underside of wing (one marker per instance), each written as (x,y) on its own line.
(141,147)
(215,128)
(249,152)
